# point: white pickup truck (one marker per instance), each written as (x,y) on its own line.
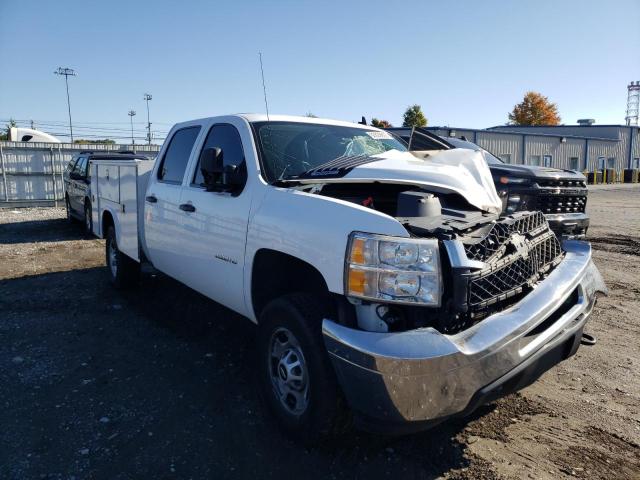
(386,287)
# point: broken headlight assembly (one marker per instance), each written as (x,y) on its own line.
(393,269)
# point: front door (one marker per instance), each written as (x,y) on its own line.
(78,186)
(162,214)
(215,231)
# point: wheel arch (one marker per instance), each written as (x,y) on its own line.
(108,219)
(274,274)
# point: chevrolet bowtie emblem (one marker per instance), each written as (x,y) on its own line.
(520,244)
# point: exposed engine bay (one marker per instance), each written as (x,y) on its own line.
(421,212)
(488,262)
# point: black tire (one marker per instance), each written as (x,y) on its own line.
(88,221)
(325,414)
(123,271)
(70,217)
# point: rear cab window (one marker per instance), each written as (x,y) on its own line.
(174,162)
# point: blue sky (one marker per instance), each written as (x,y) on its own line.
(466,62)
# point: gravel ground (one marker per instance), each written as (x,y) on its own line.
(157,383)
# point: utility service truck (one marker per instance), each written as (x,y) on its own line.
(387,286)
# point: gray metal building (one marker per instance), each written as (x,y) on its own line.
(31,172)
(585,147)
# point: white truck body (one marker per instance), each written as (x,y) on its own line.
(248,235)
(118,187)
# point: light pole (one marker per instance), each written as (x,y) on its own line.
(67,72)
(131,115)
(148,97)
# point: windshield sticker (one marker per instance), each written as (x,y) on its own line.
(377,135)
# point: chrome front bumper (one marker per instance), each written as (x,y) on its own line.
(423,376)
(568,224)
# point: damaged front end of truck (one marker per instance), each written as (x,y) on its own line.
(469,307)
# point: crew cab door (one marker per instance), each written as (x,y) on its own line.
(214,224)
(162,214)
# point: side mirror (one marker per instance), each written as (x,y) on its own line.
(234,176)
(211,166)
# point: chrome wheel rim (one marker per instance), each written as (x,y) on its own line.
(113,258)
(288,371)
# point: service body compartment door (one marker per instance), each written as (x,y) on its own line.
(95,201)
(128,238)
(109,182)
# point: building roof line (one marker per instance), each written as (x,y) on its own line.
(568,126)
(515,132)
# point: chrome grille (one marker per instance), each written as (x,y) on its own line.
(512,274)
(493,245)
(562,183)
(562,203)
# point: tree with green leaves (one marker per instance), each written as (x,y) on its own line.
(12,124)
(535,109)
(413,117)
(380,123)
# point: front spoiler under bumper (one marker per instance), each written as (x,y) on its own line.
(410,380)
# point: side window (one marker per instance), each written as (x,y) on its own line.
(71,164)
(176,157)
(227,138)
(81,166)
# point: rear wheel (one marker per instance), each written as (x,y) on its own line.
(123,271)
(296,377)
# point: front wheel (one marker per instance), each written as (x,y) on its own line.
(296,377)
(67,205)
(88,221)
(123,271)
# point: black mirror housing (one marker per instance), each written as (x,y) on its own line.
(211,161)
(232,176)
(220,177)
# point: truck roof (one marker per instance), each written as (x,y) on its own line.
(261,117)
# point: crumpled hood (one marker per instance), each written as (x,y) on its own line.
(461,171)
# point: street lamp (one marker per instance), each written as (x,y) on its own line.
(131,115)
(148,97)
(67,72)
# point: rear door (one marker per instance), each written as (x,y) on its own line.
(214,232)
(163,217)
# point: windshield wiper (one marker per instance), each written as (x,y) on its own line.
(338,166)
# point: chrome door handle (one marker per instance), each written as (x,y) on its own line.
(187,207)
(151,199)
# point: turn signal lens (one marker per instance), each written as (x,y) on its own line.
(357,281)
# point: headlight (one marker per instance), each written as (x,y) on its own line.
(513,203)
(392,269)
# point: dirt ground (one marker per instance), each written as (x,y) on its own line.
(157,383)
